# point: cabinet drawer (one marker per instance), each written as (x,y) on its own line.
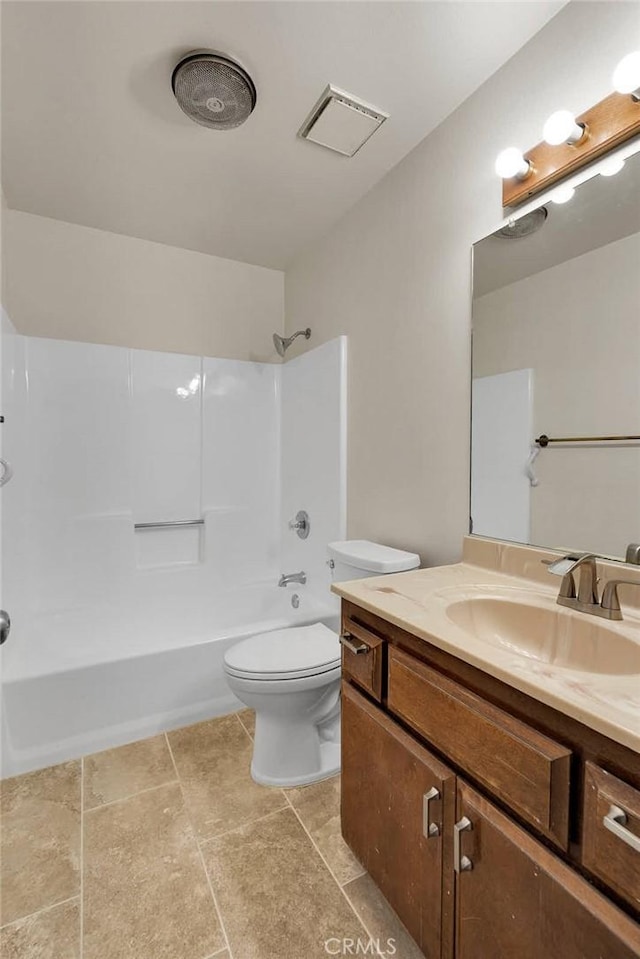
(526,770)
(611,832)
(362,657)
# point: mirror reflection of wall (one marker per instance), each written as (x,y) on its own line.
(556,351)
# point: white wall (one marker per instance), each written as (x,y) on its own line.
(71,282)
(581,335)
(314,407)
(395,274)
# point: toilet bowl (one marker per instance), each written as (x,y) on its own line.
(291,678)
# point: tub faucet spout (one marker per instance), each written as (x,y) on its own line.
(287,578)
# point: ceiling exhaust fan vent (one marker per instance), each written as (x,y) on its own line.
(341,122)
(213,90)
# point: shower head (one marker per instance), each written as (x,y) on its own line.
(282,343)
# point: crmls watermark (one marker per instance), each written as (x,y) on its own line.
(360,947)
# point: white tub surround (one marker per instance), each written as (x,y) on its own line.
(314,460)
(119,625)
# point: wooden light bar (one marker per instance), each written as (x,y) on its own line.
(609,123)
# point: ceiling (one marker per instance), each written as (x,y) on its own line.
(603,210)
(91,133)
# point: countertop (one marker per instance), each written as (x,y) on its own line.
(420,603)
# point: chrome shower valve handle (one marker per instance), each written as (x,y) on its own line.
(301,524)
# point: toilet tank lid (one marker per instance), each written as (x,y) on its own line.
(373,556)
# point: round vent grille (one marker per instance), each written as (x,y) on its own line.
(213,91)
(526,225)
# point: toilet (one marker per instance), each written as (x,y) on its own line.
(291,678)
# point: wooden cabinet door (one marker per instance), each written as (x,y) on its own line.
(516,900)
(400,835)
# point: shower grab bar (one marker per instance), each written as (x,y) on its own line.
(168,524)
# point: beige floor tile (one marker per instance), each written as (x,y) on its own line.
(145,892)
(276,896)
(319,809)
(213,761)
(380,919)
(51,934)
(40,854)
(248,719)
(117,773)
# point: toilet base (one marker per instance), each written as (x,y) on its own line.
(329,766)
(297,733)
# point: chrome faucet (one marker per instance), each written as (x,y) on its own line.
(586,595)
(585,598)
(287,578)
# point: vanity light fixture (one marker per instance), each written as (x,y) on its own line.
(626,76)
(573,142)
(511,163)
(561,127)
(611,166)
(563,194)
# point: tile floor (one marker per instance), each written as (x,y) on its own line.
(167,849)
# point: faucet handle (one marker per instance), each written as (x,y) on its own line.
(588,588)
(633,554)
(610,599)
(301,524)
(562,566)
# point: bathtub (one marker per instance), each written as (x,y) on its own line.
(79,681)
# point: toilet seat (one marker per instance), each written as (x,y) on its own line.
(294,653)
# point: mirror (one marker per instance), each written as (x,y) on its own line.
(556,353)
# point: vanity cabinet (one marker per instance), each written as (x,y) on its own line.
(479,812)
(517,899)
(397,823)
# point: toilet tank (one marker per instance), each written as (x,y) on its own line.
(359,558)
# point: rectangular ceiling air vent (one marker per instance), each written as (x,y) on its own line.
(341,122)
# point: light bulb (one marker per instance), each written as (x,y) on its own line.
(626,77)
(611,166)
(563,194)
(561,127)
(511,163)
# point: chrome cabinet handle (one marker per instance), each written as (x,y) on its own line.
(461,863)
(429,829)
(346,640)
(615,821)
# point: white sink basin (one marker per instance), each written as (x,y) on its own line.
(548,634)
